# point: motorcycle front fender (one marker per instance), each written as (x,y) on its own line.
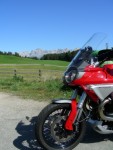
(62,101)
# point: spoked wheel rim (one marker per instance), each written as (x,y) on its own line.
(54,132)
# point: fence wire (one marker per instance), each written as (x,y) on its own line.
(31,74)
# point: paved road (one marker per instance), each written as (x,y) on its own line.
(17,118)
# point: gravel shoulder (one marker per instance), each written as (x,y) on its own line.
(17,119)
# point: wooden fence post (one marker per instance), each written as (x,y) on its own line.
(15,72)
(40,74)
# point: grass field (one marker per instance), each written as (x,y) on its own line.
(14,62)
(46,87)
(31,68)
(7,59)
(41,91)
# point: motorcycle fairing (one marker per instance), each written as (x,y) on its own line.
(102,90)
(86,57)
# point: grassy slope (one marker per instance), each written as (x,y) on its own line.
(5,59)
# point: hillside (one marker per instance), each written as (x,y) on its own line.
(7,59)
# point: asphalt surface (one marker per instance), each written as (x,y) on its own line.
(17,119)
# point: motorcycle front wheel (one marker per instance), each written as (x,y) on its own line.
(50,130)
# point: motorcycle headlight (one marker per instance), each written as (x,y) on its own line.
(70,76)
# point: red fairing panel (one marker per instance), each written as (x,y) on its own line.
(95,76)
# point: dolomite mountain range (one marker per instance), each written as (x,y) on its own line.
(40,52)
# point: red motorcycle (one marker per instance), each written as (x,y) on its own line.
(61,124)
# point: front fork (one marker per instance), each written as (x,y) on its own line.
(76,110)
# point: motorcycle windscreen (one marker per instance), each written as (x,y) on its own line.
(85,54)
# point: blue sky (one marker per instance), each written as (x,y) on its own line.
(52,24)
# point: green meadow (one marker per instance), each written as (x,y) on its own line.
(45,87)
(19,62)
(7,59)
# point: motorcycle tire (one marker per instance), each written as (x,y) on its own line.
(50,131)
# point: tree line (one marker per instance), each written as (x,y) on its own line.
(10,53)
(67,56)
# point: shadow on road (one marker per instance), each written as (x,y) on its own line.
(26,139)
(92,136)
